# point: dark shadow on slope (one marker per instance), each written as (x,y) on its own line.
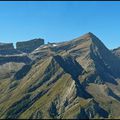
(10,52)
(113,62)
(22,105)
(72,67)
(112,94)
(53,110)
(48,73)
(92,110)
(82,115)
(89,113)
(69,65)
(22,72)
(102,69)
(17,59)
(38,114)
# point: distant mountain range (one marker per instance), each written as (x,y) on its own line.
(77,79)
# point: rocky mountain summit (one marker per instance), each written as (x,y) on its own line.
(76,79)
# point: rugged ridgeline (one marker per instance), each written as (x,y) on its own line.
(116,52)
(29,46)
(21,47)
(4,46)
(11,59)
(7,49)
(77,79)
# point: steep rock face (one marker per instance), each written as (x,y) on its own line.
(8,69)
(6,46)
(116,52)
(22,72)
(95,58)
(109,62)
(17,59)
(89,50)
(71,66)
(52,77)
(75,79)
(8,49)
(10,64)
(92,110)
(29,46)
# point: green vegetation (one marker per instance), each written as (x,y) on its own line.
(74,79)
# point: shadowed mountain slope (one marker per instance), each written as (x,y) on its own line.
(116,52)
(76,79)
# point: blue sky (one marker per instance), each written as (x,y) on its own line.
(60,21)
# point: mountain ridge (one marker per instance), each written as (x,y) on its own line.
(70,80)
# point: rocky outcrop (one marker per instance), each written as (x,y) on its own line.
(8,69)
(77,79)
(8,49)
(17,59)
(6,46)
(92,110)
(26,46)
(22,72)
(29,46)
(116,52)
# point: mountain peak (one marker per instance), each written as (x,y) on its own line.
(72,80)
(89,35)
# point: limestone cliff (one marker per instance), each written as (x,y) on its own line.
(29,46)
(8,49)
(6,46)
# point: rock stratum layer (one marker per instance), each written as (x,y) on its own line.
(77,79)
(8,49)
(116,52)
(29,46)
(6,46)
(21,47)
